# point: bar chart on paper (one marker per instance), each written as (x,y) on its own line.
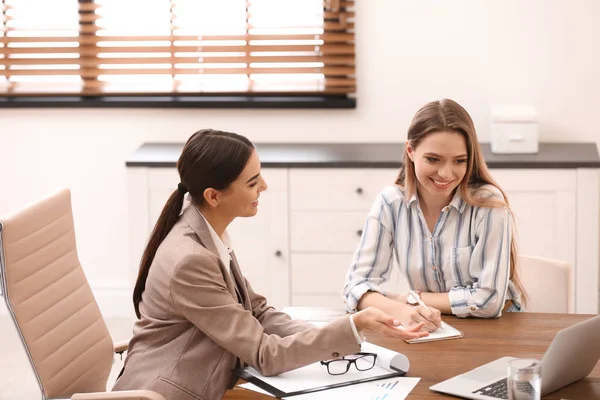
(388,389)
(385,389)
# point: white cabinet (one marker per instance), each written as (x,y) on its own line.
(557,216)
(297,249)
(544,204)
(328,208)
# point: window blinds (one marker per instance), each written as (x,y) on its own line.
(133,47)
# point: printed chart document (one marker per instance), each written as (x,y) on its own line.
(385,389)
(314,377)
(445,332)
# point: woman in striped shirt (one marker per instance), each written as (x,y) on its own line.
(445,224)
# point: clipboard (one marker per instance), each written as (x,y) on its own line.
(244,374)
(314,377)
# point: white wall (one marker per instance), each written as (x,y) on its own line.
(539,52)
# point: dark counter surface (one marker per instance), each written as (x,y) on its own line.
(374,155)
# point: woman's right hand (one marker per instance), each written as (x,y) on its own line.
(374,320)
(430,319)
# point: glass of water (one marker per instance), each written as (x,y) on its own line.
(524,379)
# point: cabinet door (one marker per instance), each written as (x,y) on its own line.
(260,242)
(544,206)
(318,279)
(328,208)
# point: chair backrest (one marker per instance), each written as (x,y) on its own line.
(548,284)
(50,301)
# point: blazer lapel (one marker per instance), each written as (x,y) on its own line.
(200,228)
(237,274)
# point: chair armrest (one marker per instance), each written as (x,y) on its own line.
(122,395)
(121,346)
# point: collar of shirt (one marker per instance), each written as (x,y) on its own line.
(223,245)
(456,202)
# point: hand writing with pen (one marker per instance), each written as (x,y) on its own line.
(420,313)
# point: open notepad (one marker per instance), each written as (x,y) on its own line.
(314,377)
(445,332)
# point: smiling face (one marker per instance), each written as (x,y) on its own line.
(240,199)
(440,162)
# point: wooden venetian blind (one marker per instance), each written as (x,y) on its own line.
(112,47)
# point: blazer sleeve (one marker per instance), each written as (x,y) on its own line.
(199,294)
(274,322)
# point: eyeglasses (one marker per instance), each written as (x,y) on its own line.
(362,362)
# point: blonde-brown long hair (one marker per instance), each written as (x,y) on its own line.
(448,116)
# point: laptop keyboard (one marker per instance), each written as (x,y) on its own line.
(497,389)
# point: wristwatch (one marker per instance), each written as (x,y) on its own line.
(410,299)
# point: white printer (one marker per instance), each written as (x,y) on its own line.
(514,129)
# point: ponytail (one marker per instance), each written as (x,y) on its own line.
(165,223)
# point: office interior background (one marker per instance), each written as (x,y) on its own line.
(538,52)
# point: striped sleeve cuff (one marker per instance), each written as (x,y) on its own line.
(459,303)
(354,295)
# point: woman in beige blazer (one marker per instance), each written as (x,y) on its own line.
(198,317)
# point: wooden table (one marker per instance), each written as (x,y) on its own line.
(514,334)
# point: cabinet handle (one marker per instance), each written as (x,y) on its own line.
(359,191)
(278,253)
(359,232)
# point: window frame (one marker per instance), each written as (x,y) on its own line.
(191,100)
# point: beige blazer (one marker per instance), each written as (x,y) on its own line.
(195,329)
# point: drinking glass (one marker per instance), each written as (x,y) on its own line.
(524,379)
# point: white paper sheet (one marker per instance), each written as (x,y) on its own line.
(384,389)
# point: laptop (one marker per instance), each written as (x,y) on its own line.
(572,355)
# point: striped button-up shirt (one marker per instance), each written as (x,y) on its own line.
(466,255)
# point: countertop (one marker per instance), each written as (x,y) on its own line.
(374,155)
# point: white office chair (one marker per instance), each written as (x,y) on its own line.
(548,284)
(52,305)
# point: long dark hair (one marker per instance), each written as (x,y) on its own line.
(448,116)
(210,159)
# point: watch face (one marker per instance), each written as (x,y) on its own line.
(410,299)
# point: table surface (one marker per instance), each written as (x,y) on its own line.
(514,334)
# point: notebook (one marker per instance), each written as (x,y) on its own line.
(445,332)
